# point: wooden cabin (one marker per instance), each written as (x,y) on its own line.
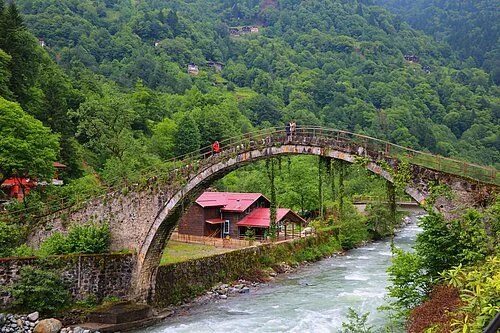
(228,214)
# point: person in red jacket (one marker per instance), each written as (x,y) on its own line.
(215,148)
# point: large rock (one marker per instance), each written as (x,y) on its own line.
(3,319)
(48,326)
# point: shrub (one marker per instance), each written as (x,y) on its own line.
(352,228)
(409,285)
(250,234)
(356,323)
(479,288)
(9,236)
(444,244)
(441,245)
(23,251)
(89,238)
(53,245)
(379,221)
(39,290)
(435,311)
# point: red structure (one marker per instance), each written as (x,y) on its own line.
(222,214)
(19,187)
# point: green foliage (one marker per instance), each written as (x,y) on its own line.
(438,190)
(187,138)
(104,123)
(379,221)
(409,285)
(444,244)
(467,27)
(352,229)
(357,323)
(250,234)
(163,139)
(39,290)
(441,245)
(23,250)
(26,147)
(479,287)
(9,238)
(88,238)
(54,244)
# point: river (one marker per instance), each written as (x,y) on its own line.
(315,298)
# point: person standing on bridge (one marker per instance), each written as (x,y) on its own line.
(293,127)
(215,148)
(288,131)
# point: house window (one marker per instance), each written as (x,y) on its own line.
(226,227)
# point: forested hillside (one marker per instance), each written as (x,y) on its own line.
(110,78)
(471,27)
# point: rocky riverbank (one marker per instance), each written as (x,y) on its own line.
(32,323)
(223,291)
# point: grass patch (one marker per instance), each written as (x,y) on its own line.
(178,252)
(244,93)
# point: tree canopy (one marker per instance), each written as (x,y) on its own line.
(27,148)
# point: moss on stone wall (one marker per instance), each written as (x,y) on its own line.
(179,282)
(99,275)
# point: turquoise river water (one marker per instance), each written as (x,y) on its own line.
(315,298)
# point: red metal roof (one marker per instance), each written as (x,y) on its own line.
(229,201)
(58,165)
(261,217)
(18,181)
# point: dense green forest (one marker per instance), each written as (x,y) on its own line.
(110,81)
(469,27)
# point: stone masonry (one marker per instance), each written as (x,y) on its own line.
(98,275)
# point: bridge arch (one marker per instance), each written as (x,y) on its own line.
(168,216)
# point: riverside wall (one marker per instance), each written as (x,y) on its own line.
(183,281)
(100,275)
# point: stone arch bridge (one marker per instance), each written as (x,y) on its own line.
(142,217)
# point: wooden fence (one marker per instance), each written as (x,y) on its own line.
(230,243)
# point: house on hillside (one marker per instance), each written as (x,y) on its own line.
(227,214)
(41,42)
(234,31)
(217,66)
(193,69)
(412,58)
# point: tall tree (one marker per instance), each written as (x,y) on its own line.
(187,138)
(27,148)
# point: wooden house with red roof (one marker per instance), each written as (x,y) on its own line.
(19,187)
(222,214)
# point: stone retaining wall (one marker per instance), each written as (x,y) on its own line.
(185,280)
(99,275)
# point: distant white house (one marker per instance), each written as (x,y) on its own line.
(41,42)
(193,69)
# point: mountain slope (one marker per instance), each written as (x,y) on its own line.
(334,63)
(471,27)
